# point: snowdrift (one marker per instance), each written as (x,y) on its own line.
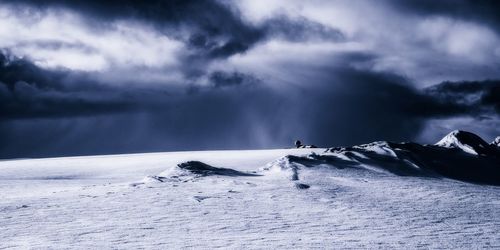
(191,170)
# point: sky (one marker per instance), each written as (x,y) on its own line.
(87,77)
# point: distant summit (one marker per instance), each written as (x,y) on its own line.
(467,142)
(496,142)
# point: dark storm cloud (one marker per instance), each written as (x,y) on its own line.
(225,79)
(483,11)
(474,97)
(300,29)
(340,106)
(27,91)
(213,26)
(354,106)
(13,70)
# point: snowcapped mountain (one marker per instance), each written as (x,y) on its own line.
(459,155)
(465,141)
(496,142)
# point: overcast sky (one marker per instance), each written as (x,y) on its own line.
(93,77)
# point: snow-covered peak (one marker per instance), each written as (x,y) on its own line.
(465,141)
(496,142)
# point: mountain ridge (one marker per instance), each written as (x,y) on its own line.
(459,155)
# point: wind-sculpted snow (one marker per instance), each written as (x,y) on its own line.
(202,169)
(379,195)
(287,164)
(191,170)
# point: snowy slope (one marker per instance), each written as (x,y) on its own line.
(378,195)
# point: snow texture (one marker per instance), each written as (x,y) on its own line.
(378,195)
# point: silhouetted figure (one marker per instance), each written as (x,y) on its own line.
(298,144)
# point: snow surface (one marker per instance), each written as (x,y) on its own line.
(266,199)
